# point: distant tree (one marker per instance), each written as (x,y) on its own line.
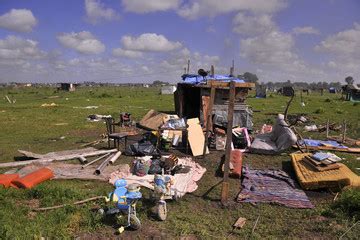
(349,80)
(249,77)
(159,83)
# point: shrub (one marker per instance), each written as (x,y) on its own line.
(328,100)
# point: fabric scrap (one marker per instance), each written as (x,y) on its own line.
(272,186)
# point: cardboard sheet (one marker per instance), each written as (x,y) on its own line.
(196,137)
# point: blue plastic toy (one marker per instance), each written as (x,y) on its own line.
(125,199)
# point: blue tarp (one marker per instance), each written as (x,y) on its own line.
(319,143)
(197,79)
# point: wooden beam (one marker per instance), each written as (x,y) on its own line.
(218,84)
(212,71)
(225,185)
(57,158)
(209,114)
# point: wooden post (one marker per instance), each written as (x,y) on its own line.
(208,117)
(327,129)
(225,184)
(188,66)
(344,132)
(232,71)
(212,72)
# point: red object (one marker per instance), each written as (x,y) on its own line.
(34,178)
(6,179)
(236,162)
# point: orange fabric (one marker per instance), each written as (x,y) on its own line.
(34,178)
(6,179)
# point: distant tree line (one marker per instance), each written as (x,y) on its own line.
(251,77)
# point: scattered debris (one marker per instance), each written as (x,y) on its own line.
(49,105)
(280,139)
(88,107)
(97,117)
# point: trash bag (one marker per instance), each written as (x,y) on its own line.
(141,148)
(156,166)
(141,167)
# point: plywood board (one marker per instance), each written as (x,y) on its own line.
(196,137)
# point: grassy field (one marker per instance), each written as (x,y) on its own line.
(28,126)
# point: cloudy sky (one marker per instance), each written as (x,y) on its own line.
(147,40)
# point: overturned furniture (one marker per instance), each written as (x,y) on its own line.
(277,141)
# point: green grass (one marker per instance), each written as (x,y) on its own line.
(28,126)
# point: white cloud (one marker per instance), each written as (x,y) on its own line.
(149,42)
(19,20)
(96,11)
(83,42)
(119,52)
(345,43)
(13,47)
(198,8)
(178,60)
(344,48)
(145,6)
(305,30)
(253,24)
(272,48)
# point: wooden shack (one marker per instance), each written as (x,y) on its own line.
(69,87)
(192,100)
(351,92)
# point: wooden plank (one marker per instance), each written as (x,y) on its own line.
(59,153)
(225,187)
(208,118)
(218,84)
(58,158)
(196,137)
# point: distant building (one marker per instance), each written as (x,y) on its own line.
(352,92)
(261,91)
(70,87)
(332,90)
(170,89)
(146,85)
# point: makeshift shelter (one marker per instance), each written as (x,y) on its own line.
(287,91)
(352,92)
(192,98)
(168,89)
(332,90)
(261,91)
(70,87)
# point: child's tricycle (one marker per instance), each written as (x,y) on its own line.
(162,189)
(125,199)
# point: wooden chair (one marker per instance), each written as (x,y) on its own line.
(111,134)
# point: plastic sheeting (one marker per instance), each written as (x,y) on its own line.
(197,79)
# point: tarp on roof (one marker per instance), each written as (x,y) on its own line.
(197,79)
